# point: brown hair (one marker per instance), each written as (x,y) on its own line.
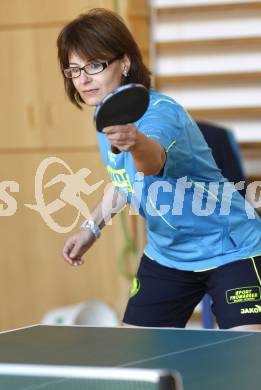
(100,34)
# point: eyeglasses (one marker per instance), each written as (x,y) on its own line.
(90,69)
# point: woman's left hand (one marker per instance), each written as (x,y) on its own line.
(123,137)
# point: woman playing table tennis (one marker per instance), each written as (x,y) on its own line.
(202,237)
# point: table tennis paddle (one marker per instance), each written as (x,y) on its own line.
(123,105)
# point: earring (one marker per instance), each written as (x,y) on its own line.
(125,73)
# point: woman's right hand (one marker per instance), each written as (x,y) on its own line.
(76,245)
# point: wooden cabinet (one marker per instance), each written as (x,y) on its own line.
(19,93)
(35,110)
(37,121)
(34,278)
(20,12)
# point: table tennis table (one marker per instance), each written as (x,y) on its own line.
(205,359)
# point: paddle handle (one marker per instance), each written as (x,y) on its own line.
(115,150)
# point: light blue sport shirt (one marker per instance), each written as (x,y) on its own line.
(195,219)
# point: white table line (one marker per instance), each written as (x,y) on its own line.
(185,350)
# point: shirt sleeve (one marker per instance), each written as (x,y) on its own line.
(165,122)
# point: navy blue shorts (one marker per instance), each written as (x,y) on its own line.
(166,297)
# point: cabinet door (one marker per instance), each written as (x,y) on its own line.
(33,277)
(47,11)
(19,93)
(63,124)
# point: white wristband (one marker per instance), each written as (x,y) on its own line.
(93,227)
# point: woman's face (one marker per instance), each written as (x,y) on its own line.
(93,88)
